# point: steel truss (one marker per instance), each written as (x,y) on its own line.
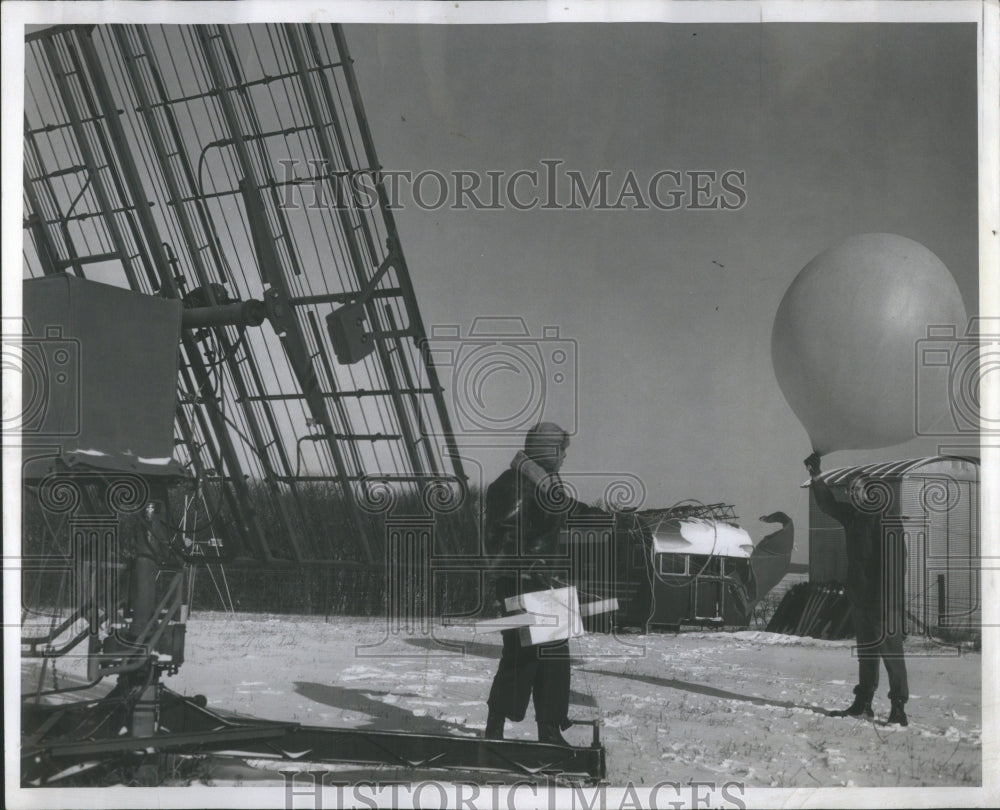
(66,739)
(187,161)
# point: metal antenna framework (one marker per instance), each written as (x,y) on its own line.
(231,168)
(228,163)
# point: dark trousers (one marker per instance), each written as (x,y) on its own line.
(879,633)
(541,671)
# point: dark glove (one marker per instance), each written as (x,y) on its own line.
(812,464)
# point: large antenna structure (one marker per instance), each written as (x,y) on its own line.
(221,164)
(182,185)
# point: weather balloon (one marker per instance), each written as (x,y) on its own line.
(845,338)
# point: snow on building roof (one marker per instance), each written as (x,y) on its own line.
(696,536)
(93,459)
(897,469)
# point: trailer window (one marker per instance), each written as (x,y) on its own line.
(673,563)
(707,566)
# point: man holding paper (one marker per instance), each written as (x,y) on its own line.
(526,507)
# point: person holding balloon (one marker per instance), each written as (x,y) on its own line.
(876,565)
(845,349)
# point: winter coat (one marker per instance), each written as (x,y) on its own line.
(526,509)
(867,549)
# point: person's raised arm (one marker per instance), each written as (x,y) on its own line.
(824,498)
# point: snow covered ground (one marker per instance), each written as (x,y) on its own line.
(747,706)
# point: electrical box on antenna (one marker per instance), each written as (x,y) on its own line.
(347,333)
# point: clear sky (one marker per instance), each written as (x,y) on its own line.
(840,129)
(831,129)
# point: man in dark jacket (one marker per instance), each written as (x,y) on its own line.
(876,565)
(526,507)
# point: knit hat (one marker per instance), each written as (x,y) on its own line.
(543,438)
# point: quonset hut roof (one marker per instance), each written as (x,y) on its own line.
(964,467)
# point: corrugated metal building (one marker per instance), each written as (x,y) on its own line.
(934,502)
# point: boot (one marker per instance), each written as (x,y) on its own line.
(859,708)
(550,733)
(896,715)
(494,726)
